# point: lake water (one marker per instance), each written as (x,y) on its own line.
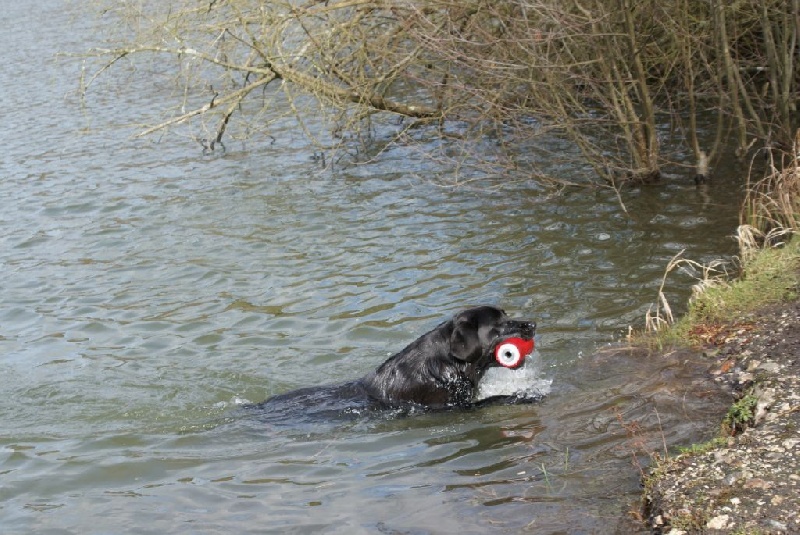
(147,290)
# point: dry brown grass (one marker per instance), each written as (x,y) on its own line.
(712,275)
(771,211)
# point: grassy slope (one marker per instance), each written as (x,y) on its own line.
(771,276)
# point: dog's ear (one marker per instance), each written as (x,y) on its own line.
(465,344)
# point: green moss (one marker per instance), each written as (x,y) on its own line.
(693,521)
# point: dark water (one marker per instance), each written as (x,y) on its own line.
(147,289)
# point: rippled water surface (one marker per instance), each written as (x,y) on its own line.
(148,289)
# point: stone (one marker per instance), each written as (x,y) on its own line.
(780,526)
(757,483)
(770,367)
(718,522)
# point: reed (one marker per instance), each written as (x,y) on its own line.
(715,274)
(771,211)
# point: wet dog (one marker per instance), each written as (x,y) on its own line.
(441,369)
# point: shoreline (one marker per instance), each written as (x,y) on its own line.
(748,479)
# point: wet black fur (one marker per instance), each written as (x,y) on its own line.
(438,370)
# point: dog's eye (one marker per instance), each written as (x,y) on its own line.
(508,355)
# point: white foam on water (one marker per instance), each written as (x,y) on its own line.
(524,382)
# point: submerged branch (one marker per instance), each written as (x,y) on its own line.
(235,97)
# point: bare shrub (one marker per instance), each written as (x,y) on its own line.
(621,82)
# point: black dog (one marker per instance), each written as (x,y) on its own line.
(441,369)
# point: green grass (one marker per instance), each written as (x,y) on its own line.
(741,414)
(703,447)
(772,275)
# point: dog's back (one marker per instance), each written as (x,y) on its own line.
(315,403)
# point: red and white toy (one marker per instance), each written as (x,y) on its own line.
(511,352)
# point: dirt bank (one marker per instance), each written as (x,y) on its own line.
(749,482)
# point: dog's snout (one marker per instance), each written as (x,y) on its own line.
(526,329)
(530,327)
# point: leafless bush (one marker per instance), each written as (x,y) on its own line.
(616,79)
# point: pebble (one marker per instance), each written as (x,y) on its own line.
(778,525)
(757,483)
(770,367)
(718,522)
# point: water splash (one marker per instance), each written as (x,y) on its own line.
(523,383)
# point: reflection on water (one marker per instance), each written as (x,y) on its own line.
(147,290)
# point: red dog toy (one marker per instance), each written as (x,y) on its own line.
(511,352)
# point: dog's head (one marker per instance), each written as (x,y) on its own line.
(442,367)
(485,336)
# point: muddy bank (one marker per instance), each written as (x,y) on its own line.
(748,482)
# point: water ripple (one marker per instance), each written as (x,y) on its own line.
(148,289)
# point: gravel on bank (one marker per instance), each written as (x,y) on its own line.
(748,483)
